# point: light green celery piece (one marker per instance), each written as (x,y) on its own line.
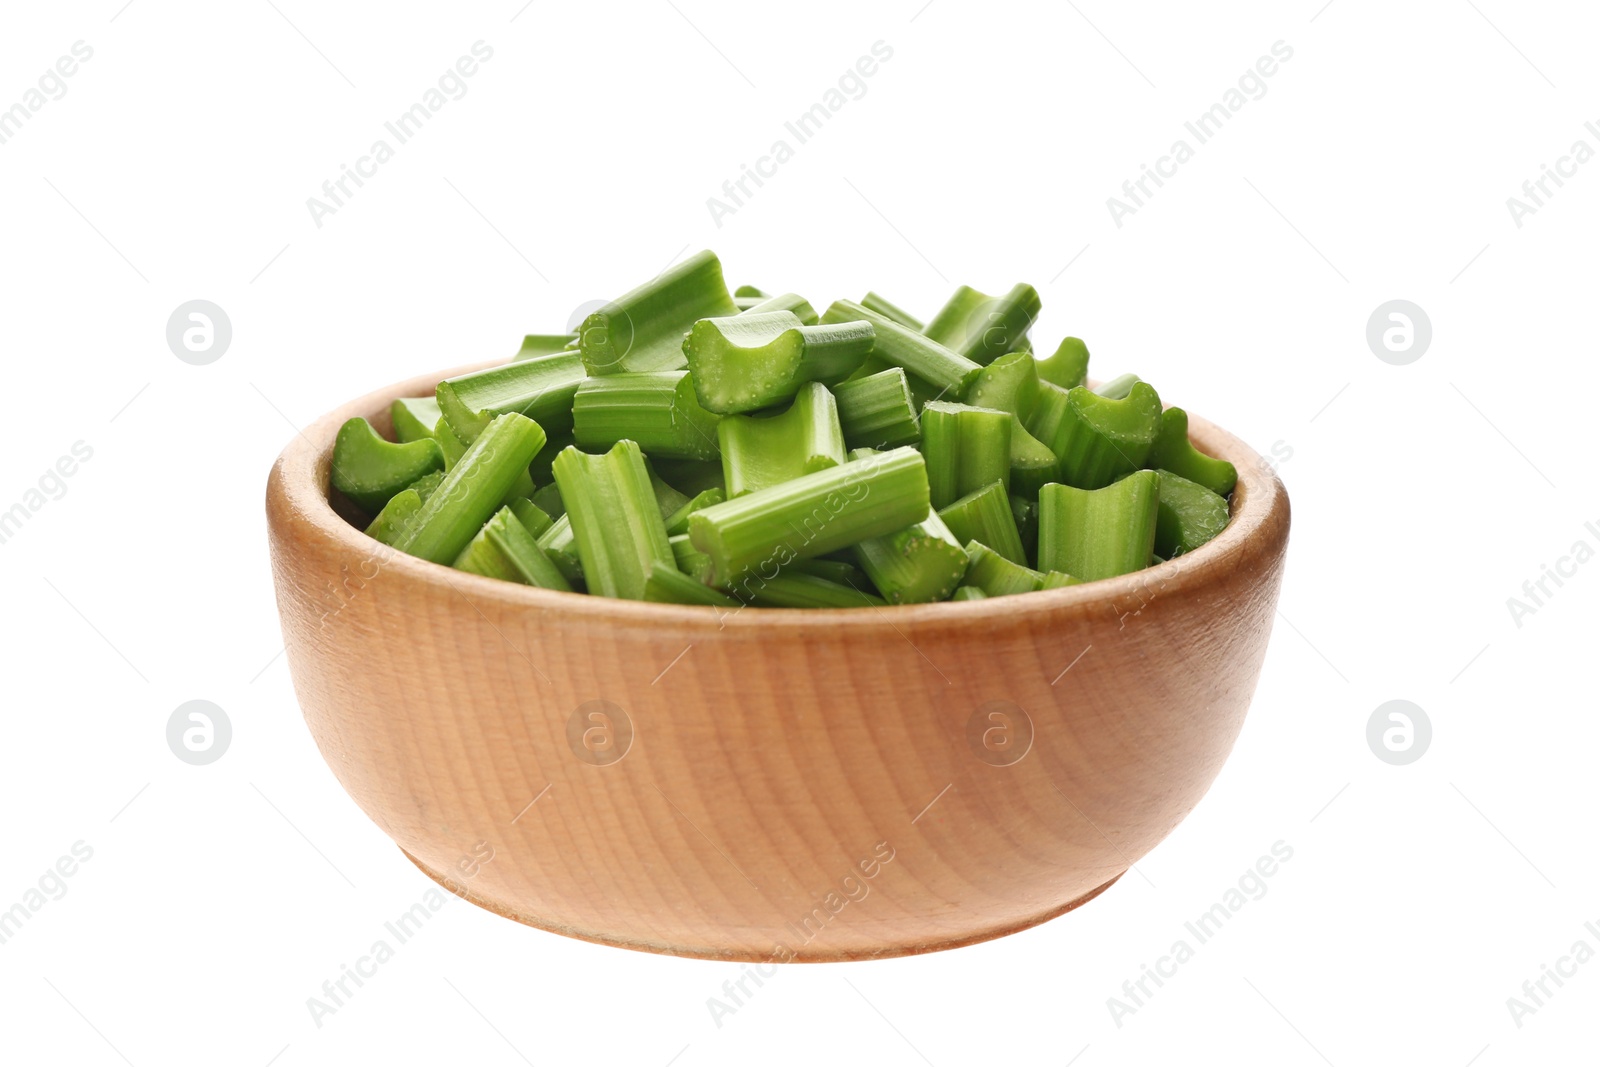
(794,589)
(1026,511)
(690,560)
(370,470)
(1099,533)
(521,488)
(616,522)
(982,327)
(425,485)
(1011,384)
(668,499)
(539,469)
(1022,344)
(643,329)
(997,576)
(1097,438)
(917,565)
(414,417)
(690,475)
(1187,515)
(548,500)
(540,388)
(505,549)
(557,543)
(759,451)
(969,592)
(1174,452)
(391,521)
(985,515)
(874,302)
(793,303)
(1067,366)
(1058,580)
(750,290)
(813,515)
(945,371)
(878,411)
(533,518)
(745,303)
(966,448)
(473,489)
(535,345)
(1117,388)
(753,361)
(678,521)
(452,446)
(656,409)
(668,585)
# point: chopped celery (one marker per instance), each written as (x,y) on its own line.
(793,303)
(414,417)
(969,592)
(370,470)
(874,302)
(668,585)
(1099,533)
(921,563)
(877,411)
(946,371)
(1026,511)
(540,389)
(616,522)
(690,560)
(966,448)
(396,514)
(1095,437)
(745,303)
(749,291)
(505,549)
(1067,366)
(1187,515)
(668,499)
(473,489)
(557,543)
(751,361)
(678,521)
(791,589)
(1058,580)
(690,475)
(452,446)
(982,327)
(548,499)
(539,469)
(533,518)
(425,485)
(1011,384)
(1174,452)
(985,516)
(643,329)
(657,410)
(535,345)
(991,572)
(762,451)
(834,570)
(1117,388)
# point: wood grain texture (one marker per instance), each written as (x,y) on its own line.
(778,757)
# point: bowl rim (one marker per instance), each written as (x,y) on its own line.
(298,494)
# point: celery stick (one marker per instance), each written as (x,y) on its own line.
(690,475)
(1011,384)
(557,543)
(414,417)
(917,565)
(678,521)
(761,451)
(370,470)
(473,489)
(874,302)
(1117,388)
(997,576)
(834,570)
(1067,366)
(643,329)
(521,488)
(946,371)
(982,327)
(657,410)
(396,514)
(539,469)
(690,560)
(793,303)
(540,388)
(452,446)
(1058,580)
(535,345)
(789,589)
(1187,515)
(668,585)
(533,518)
(1174,452)
(969,592)
(548,499)
(668,499)
(985,515)
(1097,438)
(616,523)
(425,485)
(877,411)
(1099,533)
(505,549)
(745,303)
(752,361)
(750,291)
(813,514)
(966,448)
(1026,512)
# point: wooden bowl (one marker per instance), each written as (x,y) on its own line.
(769,785)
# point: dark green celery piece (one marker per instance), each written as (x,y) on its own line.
(1097,438)
(414,417)
(668,499)
(521,488)
(793,303)
(878,411)
(658,410)
(540,389)
(643,329)
(969,592)
(1187,515)
(505,549)
(761,451)
(452,446)
(616,522)
(792,589)
(1174,452)
(749,362)
(1026,511)
(966,448)
(473,489)
(1058,580)
(874,302)
(425,485)
(396,514)
(1099,533)
(539,469)
(668,585)
(678,521)
(812,515)
(917,565)
(946,371)
(1011,384)
(535,345)
(690,560)
(370,470)
(997,576)
(533,518)
(834,570)
(1022,344)
(548,499)
(1117,388)
(557,543)
(982,327)
(1067,366)
(690,475)
(985,515)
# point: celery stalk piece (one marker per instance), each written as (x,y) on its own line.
(997,576)
(1174,452)
(985,515)
(425,485)
(678,521)
(616,523)
(505,549)
(750,290)
(750,362)
(473,489)
(969,592)
(966,447)
(1067,366)
(761,451)
(813,514)
(396,514)
(1058,580)
(414,417)
(540,389)
(793,303)
(874,302)
(690,475)
(668,585)
(1011,383)
(1022,344)
(534,519)
(668,499)
(877,411)
(521,488)
(1187,515)
(643,329)
(1097,438)
(946,371)
(657,410)
(539,469)
(791,589)
(834,570)
(1117,388)
(370,470)
(917,565)
(1026,511)
(745,303)
(690,560)
(535,345)
(1099,533)
(558,543)
(452,446)
(548,499)
(982,327)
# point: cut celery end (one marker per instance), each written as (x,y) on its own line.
(966,449)
(473,489)
(1099,533)
(616,522)
(762,451)
(557,543)
(1097,439)
(643,329)
(793,303)
(668,585)
(997,576)
(753,361)
(414,418)
(985,516)
(1187,515)
(982,327)
(1067,366)
(656,410)
(370,470)
(535,345)
(1173,451)
(678,521)
(877,410)
(396,514)
(1117,388)
(947,372)
(534,519)
(917,565)
(540,389)
(690,560)
(874,302)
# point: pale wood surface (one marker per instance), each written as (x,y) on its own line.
(773,750)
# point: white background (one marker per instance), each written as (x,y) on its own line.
(1377,166)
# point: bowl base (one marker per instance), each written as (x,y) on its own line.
(739,955)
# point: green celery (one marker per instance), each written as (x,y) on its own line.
(877,411)
(414,417)
(668,585)
(558,543)
(750,290)
(616,522)
(982,327)
(946,371)
(969,592)
(391,522)
(535,345)
(658,410)
(834,570)
(473,489)
(984,515)
(753,361)
(790,589)
(1011,384)
(1174,452)
(643,329)
(452,446)
(539,469)
(1058,580)
(1026,511)
(1117,388)
(370,470)
(793,303)
(1067,366)
(533,518)
(690,475)
(678,521)
(966,448)
(668,499)
(1095,437)
(1099,533)
(548,499)
(917,565)
(761,451)
(1187,515)
(997,576)
(505,549)
(745,303)
(874,302)
(690,560)
(540,389)
(425,485)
